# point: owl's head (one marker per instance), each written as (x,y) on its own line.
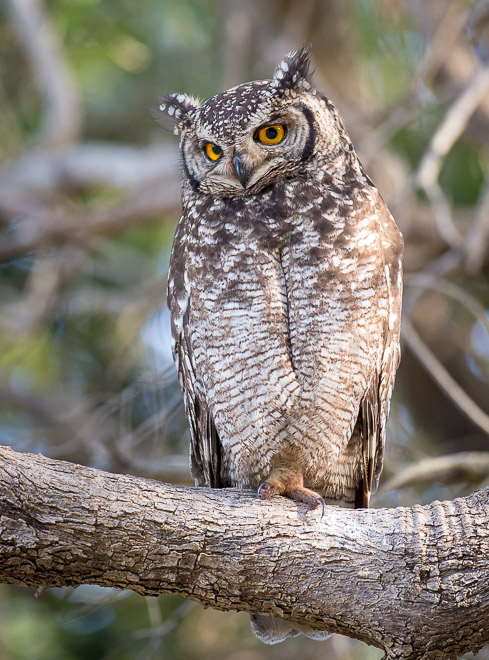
(246,138)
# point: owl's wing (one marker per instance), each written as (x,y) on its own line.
(374,409)
(372,441)
(205,446)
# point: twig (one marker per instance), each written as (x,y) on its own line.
(42,292)
(429,281)
(90,425)
(154,634)
(79,429)
(445,263)
(38,39)
(443,215)
(451,388)
(44,230)
(477,24)
(89,165)
(167,625)
(398,116)
(41,407)
(443,40)
(476,243)
(454,123)
(404,110)
(452,127)
(469,466)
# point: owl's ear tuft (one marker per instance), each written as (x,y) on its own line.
(294,70)
(177,108)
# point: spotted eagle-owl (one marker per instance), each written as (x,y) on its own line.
(285,295)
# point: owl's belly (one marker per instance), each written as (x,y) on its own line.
(249,383)
(268,414)
(284,354)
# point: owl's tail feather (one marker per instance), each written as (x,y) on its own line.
(270,630)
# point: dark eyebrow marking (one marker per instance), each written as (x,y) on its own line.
(193,181)
(311,138)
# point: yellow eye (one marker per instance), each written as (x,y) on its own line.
(271,134)
(213,151)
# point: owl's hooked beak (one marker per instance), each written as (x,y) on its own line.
(242,172)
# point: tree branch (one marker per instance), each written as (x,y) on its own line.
(412,581)
(42,173)
(447,383)
(32,187)
(40,43)
(450,129)
(471,466)
(50,229)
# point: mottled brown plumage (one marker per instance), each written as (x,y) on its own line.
(285,296)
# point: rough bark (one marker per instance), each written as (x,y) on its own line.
(411,581)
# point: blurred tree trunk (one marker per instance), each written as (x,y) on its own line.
(411,581)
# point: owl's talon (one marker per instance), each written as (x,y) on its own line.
(323,505)
(265,490)
(313,503)
(309,497)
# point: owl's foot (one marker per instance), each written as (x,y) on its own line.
(266,490)
(291,488)
(309,497)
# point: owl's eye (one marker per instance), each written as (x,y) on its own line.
(213,151)
(270,134)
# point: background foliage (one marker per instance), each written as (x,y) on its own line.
(89,199)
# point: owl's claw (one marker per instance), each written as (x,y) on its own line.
(323,505)
(268,489)
(309,497)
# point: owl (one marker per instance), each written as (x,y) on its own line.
(285,296)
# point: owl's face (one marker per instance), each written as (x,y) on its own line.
(258,142)
(244,139)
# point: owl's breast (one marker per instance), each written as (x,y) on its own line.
(285,318)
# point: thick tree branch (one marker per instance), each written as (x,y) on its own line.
(412,581)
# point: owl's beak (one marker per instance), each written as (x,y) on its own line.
(242,173)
